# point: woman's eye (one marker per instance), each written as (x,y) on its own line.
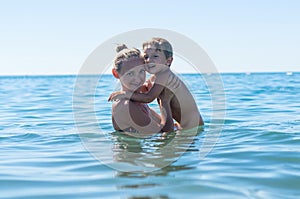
(130,74)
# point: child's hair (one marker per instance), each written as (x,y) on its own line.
(124,54)
(160,44)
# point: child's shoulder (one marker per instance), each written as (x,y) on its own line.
(163,74)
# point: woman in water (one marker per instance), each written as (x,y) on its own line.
(135,118)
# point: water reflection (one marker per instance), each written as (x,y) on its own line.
(161,172)
(149,197)
(152,156)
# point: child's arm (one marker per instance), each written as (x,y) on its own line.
(138,97)
(143,89)
(147,85)
(161,81)
(146,97)
(158,86)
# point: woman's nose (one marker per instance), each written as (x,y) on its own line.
(136,78)
(150,61)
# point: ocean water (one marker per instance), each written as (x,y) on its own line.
(57,141)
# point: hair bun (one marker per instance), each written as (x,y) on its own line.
(121,47)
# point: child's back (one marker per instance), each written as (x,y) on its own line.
(183,106)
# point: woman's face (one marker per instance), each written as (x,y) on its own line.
(132,74)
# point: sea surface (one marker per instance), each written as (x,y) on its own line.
(57,141)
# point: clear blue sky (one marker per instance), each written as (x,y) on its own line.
(56,36)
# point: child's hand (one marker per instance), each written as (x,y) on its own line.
(117,95)
(149,84)
(146,86)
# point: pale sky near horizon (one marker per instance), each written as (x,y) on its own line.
(57,36)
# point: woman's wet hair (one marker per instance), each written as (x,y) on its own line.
(124,54)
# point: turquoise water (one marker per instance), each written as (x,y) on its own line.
(44,155)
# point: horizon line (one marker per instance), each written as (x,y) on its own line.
(182,73)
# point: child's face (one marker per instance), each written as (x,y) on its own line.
(132,74)
(155,60)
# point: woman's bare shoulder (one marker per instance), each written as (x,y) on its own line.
(125,105)
(120,104)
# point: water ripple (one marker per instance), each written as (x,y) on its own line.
(257,154)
